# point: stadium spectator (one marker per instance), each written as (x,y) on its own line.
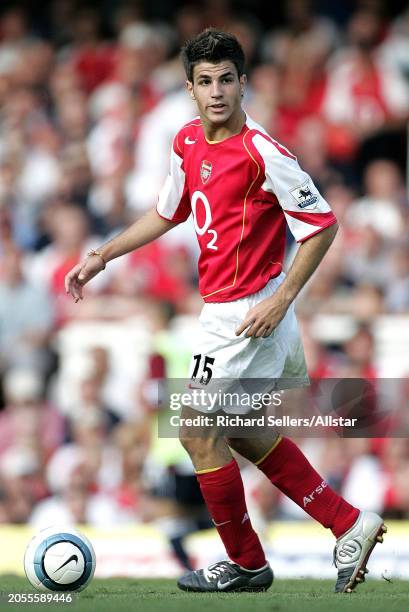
(373,95)
(300,50)
(395,48)
(383,204)
(368,257)
(67,227)
(27,419)
(397,296)
(14,33)
(92,58)
(26,316)
(23,485)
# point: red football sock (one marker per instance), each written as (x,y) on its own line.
(289,470)
(223,492)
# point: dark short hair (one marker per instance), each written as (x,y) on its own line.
(212,46)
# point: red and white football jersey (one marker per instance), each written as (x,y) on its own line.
(241,191)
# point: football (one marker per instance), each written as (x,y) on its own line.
(59,559)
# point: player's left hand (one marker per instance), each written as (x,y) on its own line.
(262,319)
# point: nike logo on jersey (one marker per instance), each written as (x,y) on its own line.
(188,141)
(245,518)
(72,558)
(220,524)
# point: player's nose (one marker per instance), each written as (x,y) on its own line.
(215,91)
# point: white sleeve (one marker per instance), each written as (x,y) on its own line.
(174,202)
(305,210)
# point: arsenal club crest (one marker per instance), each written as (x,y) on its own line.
(205,171)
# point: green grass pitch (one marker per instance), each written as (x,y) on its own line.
(120,595)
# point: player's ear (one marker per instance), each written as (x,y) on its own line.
(189,87)
(243,82)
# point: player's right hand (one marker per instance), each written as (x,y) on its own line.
(81,274)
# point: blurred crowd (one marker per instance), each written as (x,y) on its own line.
(89,103)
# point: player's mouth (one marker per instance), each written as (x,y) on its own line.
(218,108)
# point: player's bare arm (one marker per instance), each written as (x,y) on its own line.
(144,230)
(261,320)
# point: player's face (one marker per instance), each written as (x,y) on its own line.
(217,90)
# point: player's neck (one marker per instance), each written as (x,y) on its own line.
(233,126)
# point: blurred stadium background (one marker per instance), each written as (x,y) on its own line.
(90,98)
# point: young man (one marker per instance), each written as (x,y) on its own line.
(242,187)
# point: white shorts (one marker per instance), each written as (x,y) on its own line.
(279,358)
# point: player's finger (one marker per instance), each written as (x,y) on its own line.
(77,296)
(69,278)
(72,287)
(74,292)
(244,326)
(79,291)
(256,330)
(75,289)
(261,332)
(68,281)
(252,330)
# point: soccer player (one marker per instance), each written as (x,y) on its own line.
(243,188)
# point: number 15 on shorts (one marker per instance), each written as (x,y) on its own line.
(203,364)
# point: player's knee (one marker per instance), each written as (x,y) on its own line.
(235,443)
(243,446)
(199,448)
(252,448)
